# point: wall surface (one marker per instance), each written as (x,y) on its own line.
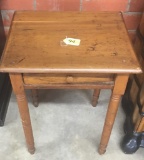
(132,9)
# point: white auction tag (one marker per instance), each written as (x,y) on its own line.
(72,41)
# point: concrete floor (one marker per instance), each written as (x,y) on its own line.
(65,127)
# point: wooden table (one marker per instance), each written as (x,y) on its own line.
(35,58)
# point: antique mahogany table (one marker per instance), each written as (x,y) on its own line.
(35,58)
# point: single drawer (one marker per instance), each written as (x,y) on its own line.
(36,79)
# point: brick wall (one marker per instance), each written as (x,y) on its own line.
(132,9)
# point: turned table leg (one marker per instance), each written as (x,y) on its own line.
(95,97)
(34,93)
(109,121)
(18,88)
(118,90)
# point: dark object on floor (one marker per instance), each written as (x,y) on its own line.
(132,140)
(5,86)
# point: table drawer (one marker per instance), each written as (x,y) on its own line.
(37,79)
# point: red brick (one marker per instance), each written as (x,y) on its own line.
(132,35)
(104,5)
(7,17)
(58,5)
(132,20)
(16,4)
(136,5)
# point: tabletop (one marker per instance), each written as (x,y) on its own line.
(34,43)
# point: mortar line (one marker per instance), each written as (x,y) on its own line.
(132,13)
(34,4)
(132,30)
(81,6)
(128,5)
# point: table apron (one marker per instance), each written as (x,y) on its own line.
(72,86)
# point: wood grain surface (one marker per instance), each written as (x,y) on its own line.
(35,43)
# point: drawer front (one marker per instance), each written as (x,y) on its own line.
(36,79)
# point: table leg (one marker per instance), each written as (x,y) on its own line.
(118,90)
(109,121)
(95,97)
(35,97)
(18,88)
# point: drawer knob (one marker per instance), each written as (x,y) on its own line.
(69,79)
